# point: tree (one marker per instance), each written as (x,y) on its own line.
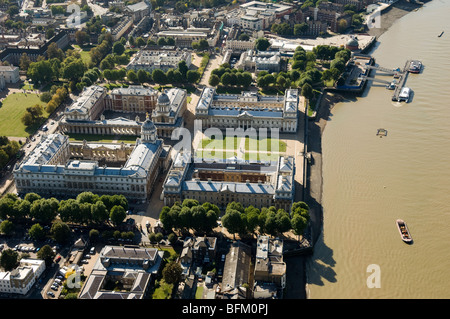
(40,71)
(81,37)
(36,232)
(99,212)
(214,80)
(47,254)
(8,259)
(232,221)
(94,235)
(226,79)
(87,197)
(307,91)
(118,48)
(183,68)
(158,76)
(262,44)
(142,76)
(24,62)
(6,227)
(74,70)
(117,215)
(192,76)
(60,232)
(53,51)
(172,272)
(45,97)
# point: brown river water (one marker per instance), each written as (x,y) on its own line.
(369,182)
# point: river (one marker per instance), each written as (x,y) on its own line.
(369,182)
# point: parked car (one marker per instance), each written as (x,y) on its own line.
(57,259)
(50,293)
(54,287)
(92,250)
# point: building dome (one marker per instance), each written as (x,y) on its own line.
(352,44)
(148,130)
(148,125)
(163,99)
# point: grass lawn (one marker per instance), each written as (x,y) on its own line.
(11,111)
(102,138)
(264,145)
(84,52)
(226,143)
(228,147)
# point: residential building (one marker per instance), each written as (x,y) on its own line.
(236,272)
(21,279)
(256,61)
(269,264)
(163,58)
(139,10)
(256,15)
(184,37)
(249,110)
(133,269)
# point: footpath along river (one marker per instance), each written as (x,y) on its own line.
(369,182)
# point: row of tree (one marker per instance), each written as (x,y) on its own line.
(87,208)
(8,149)
(227,76)
(202,218)
(269,220)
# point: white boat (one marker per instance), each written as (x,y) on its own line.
(404,94)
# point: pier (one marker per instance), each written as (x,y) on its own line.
(401,81)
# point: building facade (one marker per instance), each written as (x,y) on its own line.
(22,279)
(134,268)
(52,169)
(259,184)
(164,58)
(249,110)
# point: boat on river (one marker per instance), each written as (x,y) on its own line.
(404,231)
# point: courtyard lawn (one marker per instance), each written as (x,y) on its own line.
(265,145)
(233,146)
(11,111)
(225,143)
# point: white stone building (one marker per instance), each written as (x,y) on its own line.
(249,110)
(164,58)
(256,61)
(51,169)
(21,279)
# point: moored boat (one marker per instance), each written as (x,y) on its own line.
(403,230)
(415,66)
(404,94)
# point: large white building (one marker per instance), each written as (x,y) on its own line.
(261,184)
(22,279)
(256,61)
(256,15)
(249,110)
(165,109)
(55,167)
(164,58)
